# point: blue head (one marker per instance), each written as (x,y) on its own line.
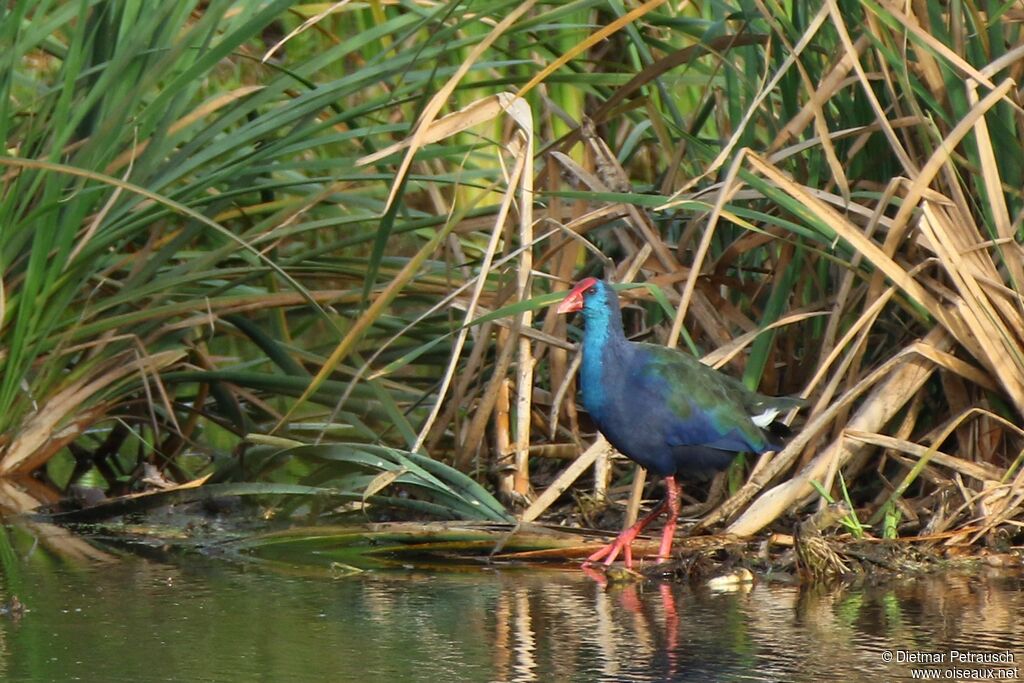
(599,304)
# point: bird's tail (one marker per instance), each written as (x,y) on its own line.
(781,433)
(785,403)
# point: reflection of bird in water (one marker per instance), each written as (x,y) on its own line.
(665,635)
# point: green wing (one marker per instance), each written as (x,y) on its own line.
(712,408)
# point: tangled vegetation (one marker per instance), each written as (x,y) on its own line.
(310,248)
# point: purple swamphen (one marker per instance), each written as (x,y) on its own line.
(663,409)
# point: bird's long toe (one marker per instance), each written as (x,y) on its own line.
(624,541)
(608,553)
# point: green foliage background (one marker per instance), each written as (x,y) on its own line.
(194,248)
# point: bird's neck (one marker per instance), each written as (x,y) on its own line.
(604,348)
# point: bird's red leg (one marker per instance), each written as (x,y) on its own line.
(625,540)
(672,498)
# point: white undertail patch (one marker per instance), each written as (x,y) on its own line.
(765,418)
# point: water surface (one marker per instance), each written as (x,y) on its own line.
(202,619)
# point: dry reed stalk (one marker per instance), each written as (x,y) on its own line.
(886,398)
(502,436)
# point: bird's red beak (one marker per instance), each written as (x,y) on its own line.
(571,303)
(574,300)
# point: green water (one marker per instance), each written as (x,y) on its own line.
(125,618)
